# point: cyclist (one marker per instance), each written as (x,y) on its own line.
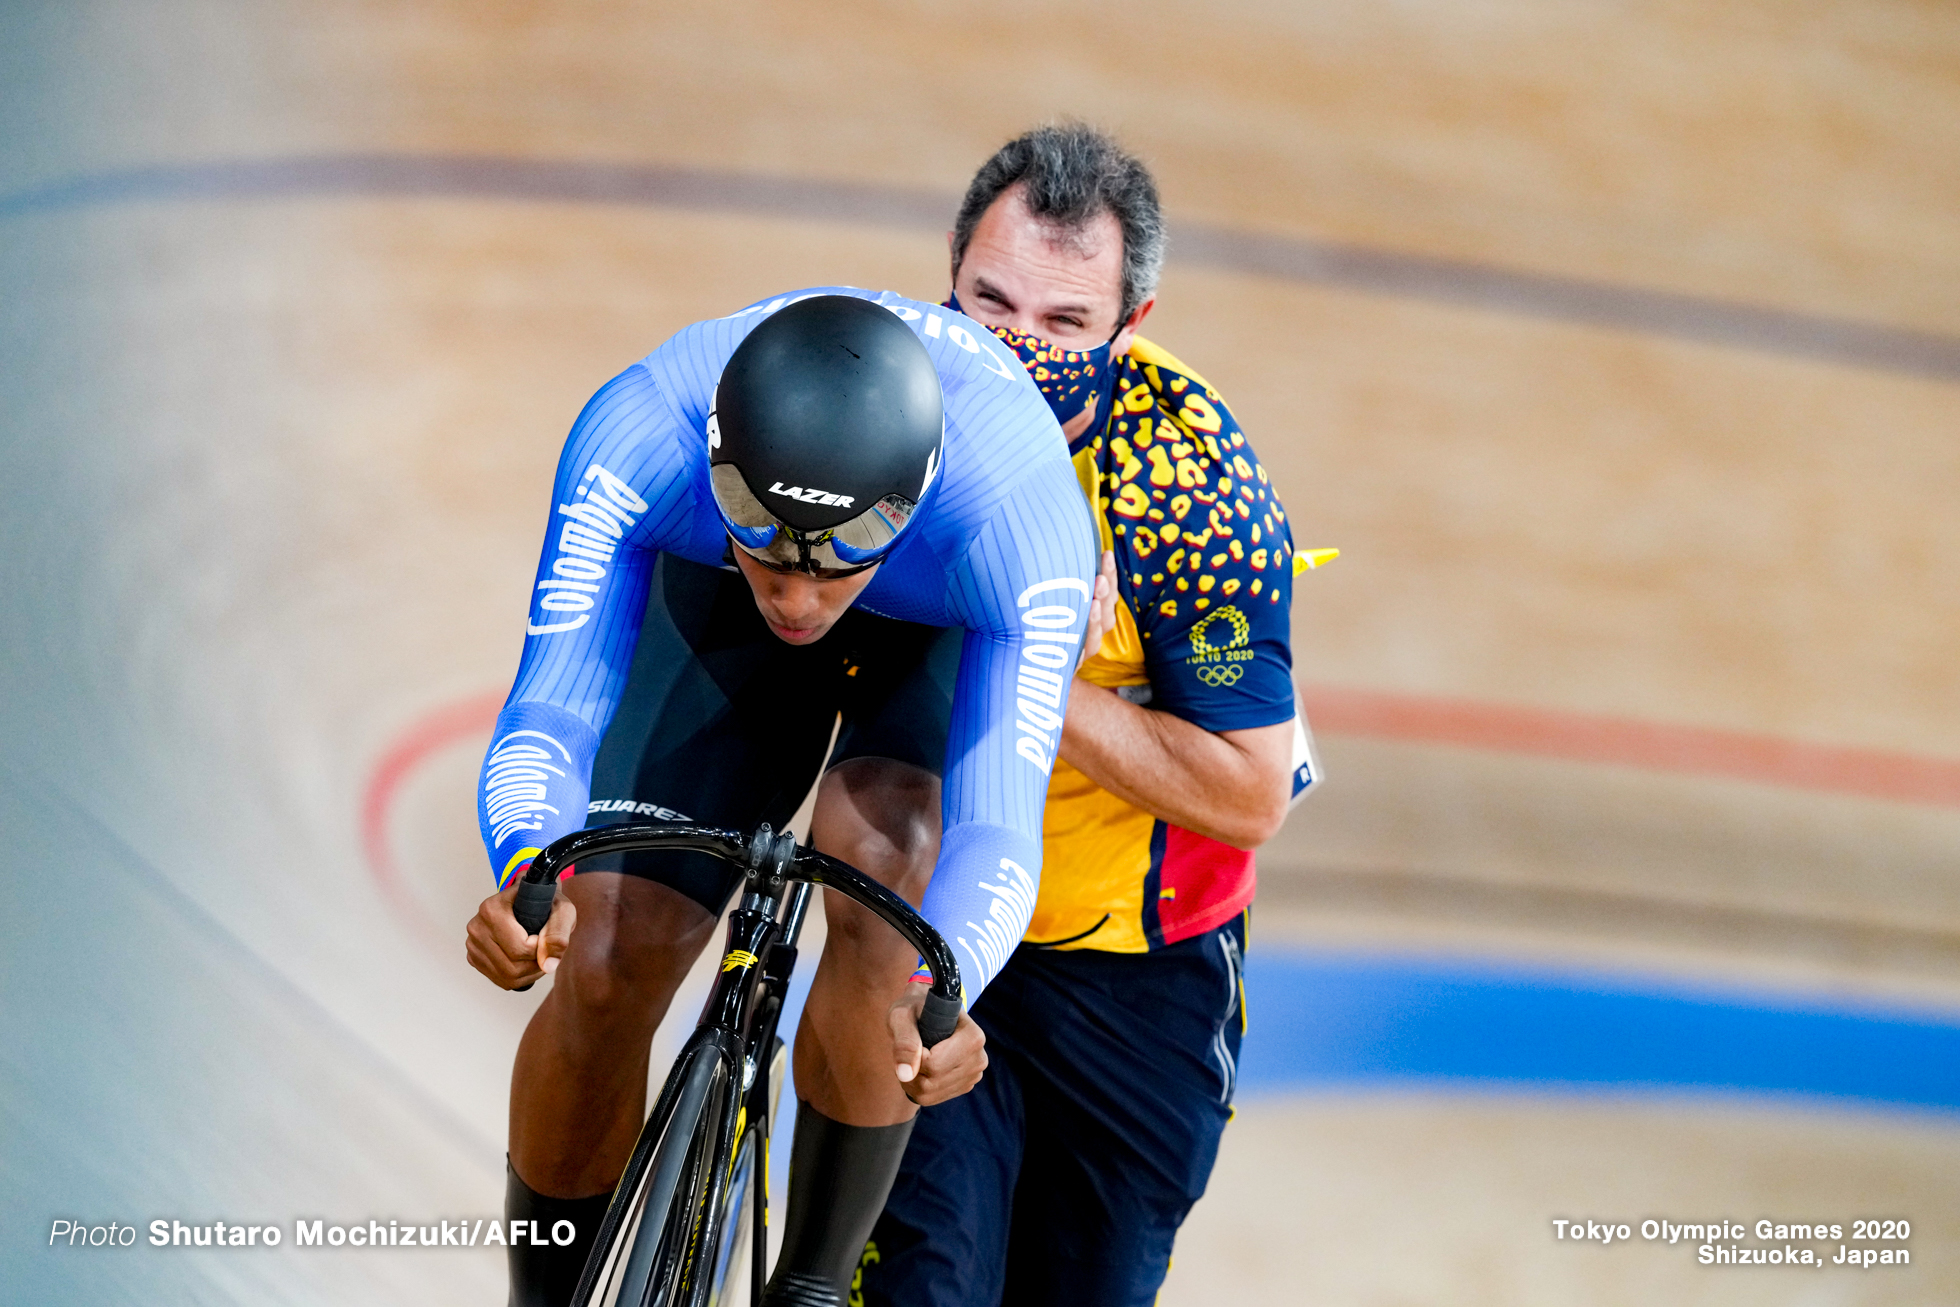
(1114,1029)
(832,503)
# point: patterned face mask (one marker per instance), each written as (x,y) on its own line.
(1069,381)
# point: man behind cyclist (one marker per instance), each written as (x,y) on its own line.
(1114,1030)
(833,502)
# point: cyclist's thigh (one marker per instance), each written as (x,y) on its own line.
(1128,1064)
(942,1238)
(636,940)
(721,723)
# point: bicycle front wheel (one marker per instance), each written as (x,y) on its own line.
(655,1253)
(751,1169)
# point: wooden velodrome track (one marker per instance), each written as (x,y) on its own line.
(1617,347)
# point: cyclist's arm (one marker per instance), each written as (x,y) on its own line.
(1022,588)
(622,493)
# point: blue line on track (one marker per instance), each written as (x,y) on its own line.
(1323,1020)
(1392,273)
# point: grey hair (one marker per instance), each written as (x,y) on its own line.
(1070,175)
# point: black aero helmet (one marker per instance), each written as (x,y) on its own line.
(824,435)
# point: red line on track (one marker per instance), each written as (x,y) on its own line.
(436,730)
(1368,714)
(1652,746)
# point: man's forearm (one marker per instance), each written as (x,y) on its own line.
(1231,786)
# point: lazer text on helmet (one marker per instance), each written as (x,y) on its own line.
(810,495)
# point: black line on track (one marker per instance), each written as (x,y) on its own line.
(1728,323)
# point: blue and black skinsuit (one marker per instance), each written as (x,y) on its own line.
(649,687)
(1003,549)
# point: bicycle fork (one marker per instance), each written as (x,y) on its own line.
(737,1032)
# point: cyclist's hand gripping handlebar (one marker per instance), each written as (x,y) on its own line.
(936,1022)
(533,905)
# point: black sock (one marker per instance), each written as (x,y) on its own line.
(545,1274)
(839,1176)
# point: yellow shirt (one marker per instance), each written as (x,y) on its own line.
(1205,563)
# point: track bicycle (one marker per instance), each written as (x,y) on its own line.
(673,1232)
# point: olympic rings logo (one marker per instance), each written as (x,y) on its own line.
(1216,676)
